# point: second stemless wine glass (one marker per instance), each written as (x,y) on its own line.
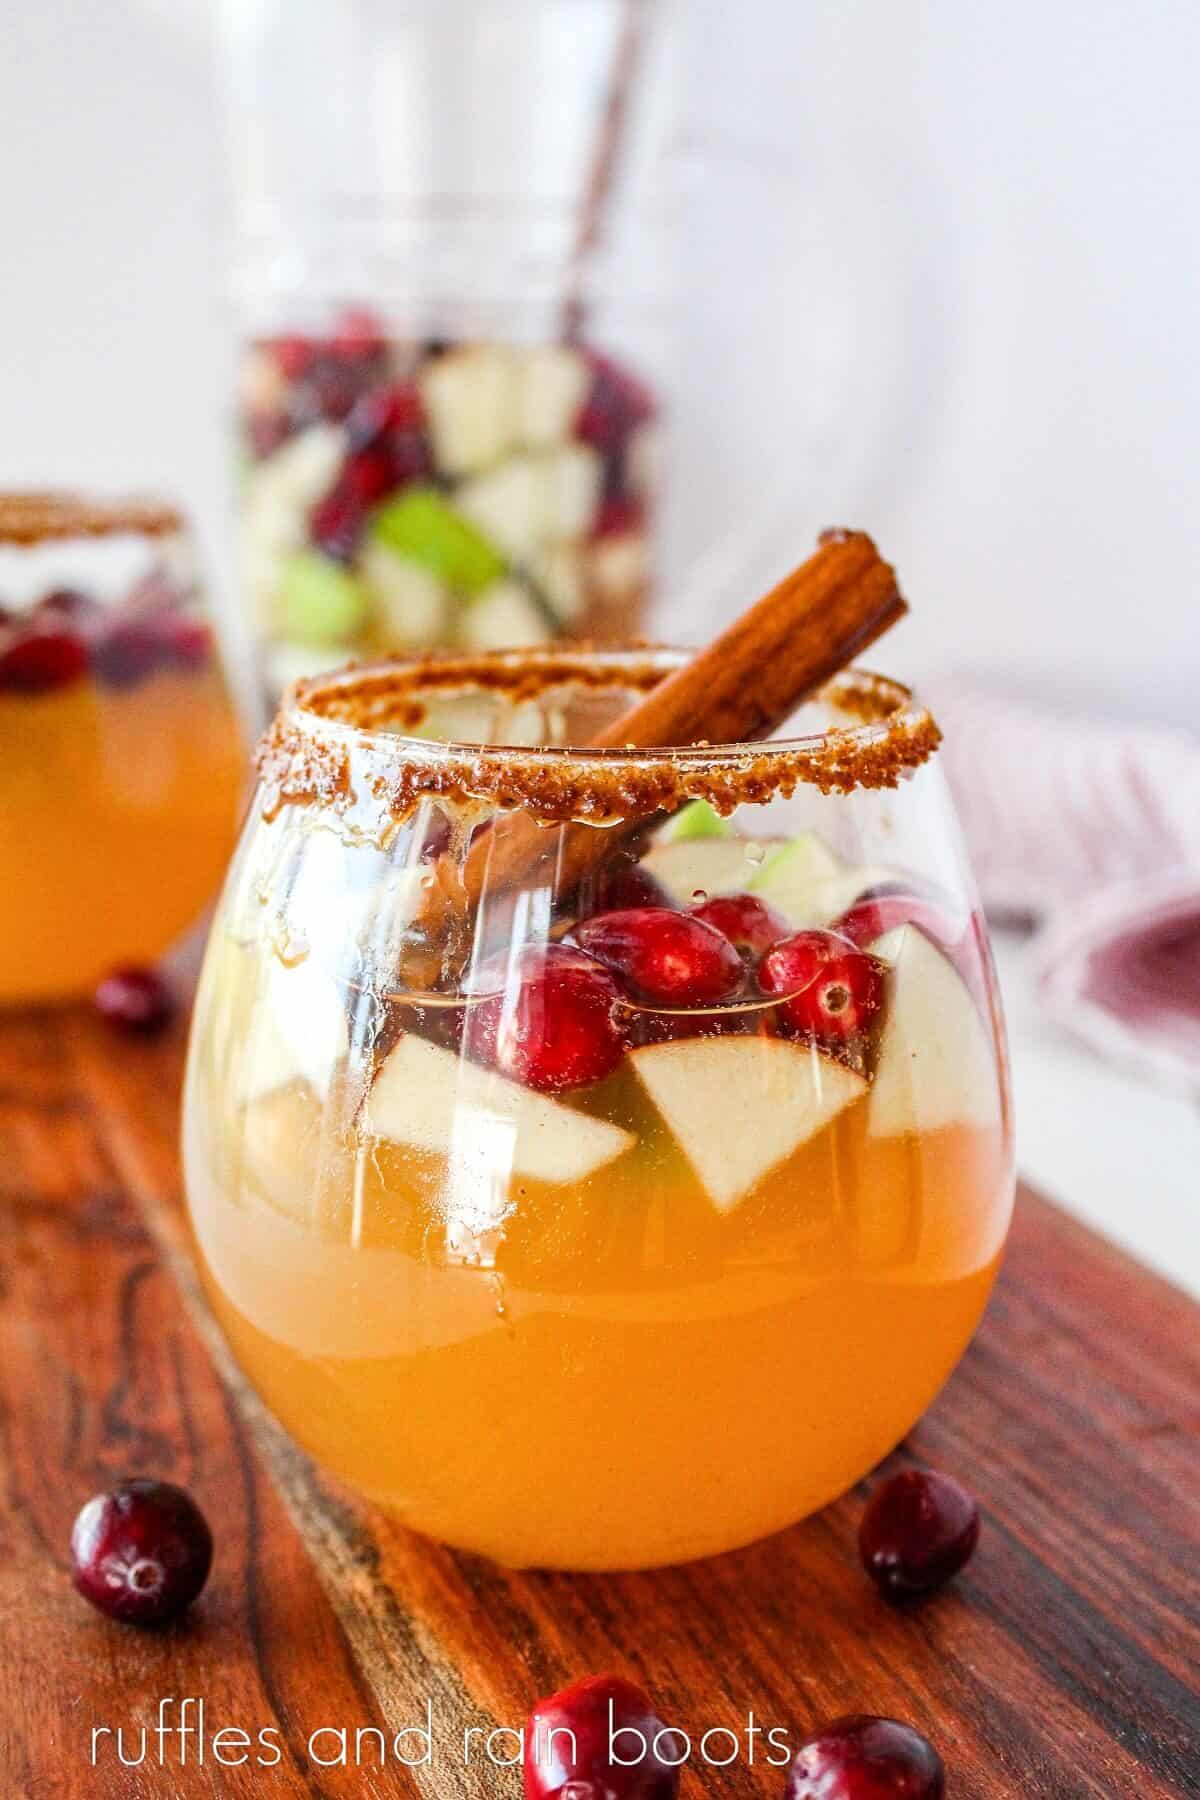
(616,1193)
(121,756)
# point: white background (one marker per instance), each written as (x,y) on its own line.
(941,281)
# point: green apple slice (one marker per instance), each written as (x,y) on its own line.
(421,525)
(508,503)
(793,879)
(702,865)
(696,820)
(320,602)
(935,1066)
(431,1099)
(737,1107)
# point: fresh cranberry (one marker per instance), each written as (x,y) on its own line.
(265,433)
(186,640)
(918,1530)
(865,1758)
(829,989)
(750,924)
(42,658)
(141,1552)
(135,1001)
(891,904)
(357,333)
(618,516)
(614,405)
(332,386)
(130,650)
(669,958)
(335,523)
(369,474)
(621,886)
(600,1739)
(293,355)
(548,1018)
(396,408)
(411,459)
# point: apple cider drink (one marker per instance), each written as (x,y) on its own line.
(121,759)
(599,1208)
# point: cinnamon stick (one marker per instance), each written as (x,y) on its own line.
(740,689)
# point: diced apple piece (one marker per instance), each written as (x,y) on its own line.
(557,570)
(574,476)
(553,382)
(470,398)
(737,1107)
(793,876)
(422,525)
(935,1066)
(696,820)
(430,1099)
(297,1029)
(504,617)
(508,503)
(411,604)
(319,601)
(619,566)
(708,865)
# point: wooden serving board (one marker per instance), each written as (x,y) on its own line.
(1064,1662)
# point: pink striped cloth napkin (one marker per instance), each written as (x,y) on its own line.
(1092,830)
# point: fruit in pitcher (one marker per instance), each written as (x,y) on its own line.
(600,1739)
(470,398)
(919,1529)
(422,1089)
(503,618)
(866,1758)
(552,382)
(666,957)
(737,1106)
(411,606)
(548,1018)
(935,1065)
(829,989)
(421,525)
(320,602)
(751,925)
(141,1552)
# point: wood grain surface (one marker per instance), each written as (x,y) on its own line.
(1065,1661)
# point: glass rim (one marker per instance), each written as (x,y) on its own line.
(324,722)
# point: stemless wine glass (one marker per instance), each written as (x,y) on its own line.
(122,764)
(599,1158)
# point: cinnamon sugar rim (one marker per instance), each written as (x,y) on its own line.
(52,515)
(339,740)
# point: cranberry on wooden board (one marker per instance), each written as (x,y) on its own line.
(670,958)
(141,1552)
(866,1758)
(599,1739)
(548,1019)
(829,990)
(919,1529)
(135,1001)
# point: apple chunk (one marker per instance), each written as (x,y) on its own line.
(935,1066)
(430,1099)
(738,1106)
(700,865)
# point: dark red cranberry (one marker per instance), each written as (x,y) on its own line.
(600,1739)
(41,658)
(829,989)
(614,405)
(865,1758)
(669,958)
(358,333)
(370,473)
(891,904)
(293,355)
(384,411)
(750,924)
(411,458)
(186,641)
(335,523)
(135,1001)
(142,1552)
(129,651)
(623,885)
(549,1018)
(618,516)
(918,1530)
(332,386)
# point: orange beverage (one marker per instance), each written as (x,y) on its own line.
(650,1222)
(121,762)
